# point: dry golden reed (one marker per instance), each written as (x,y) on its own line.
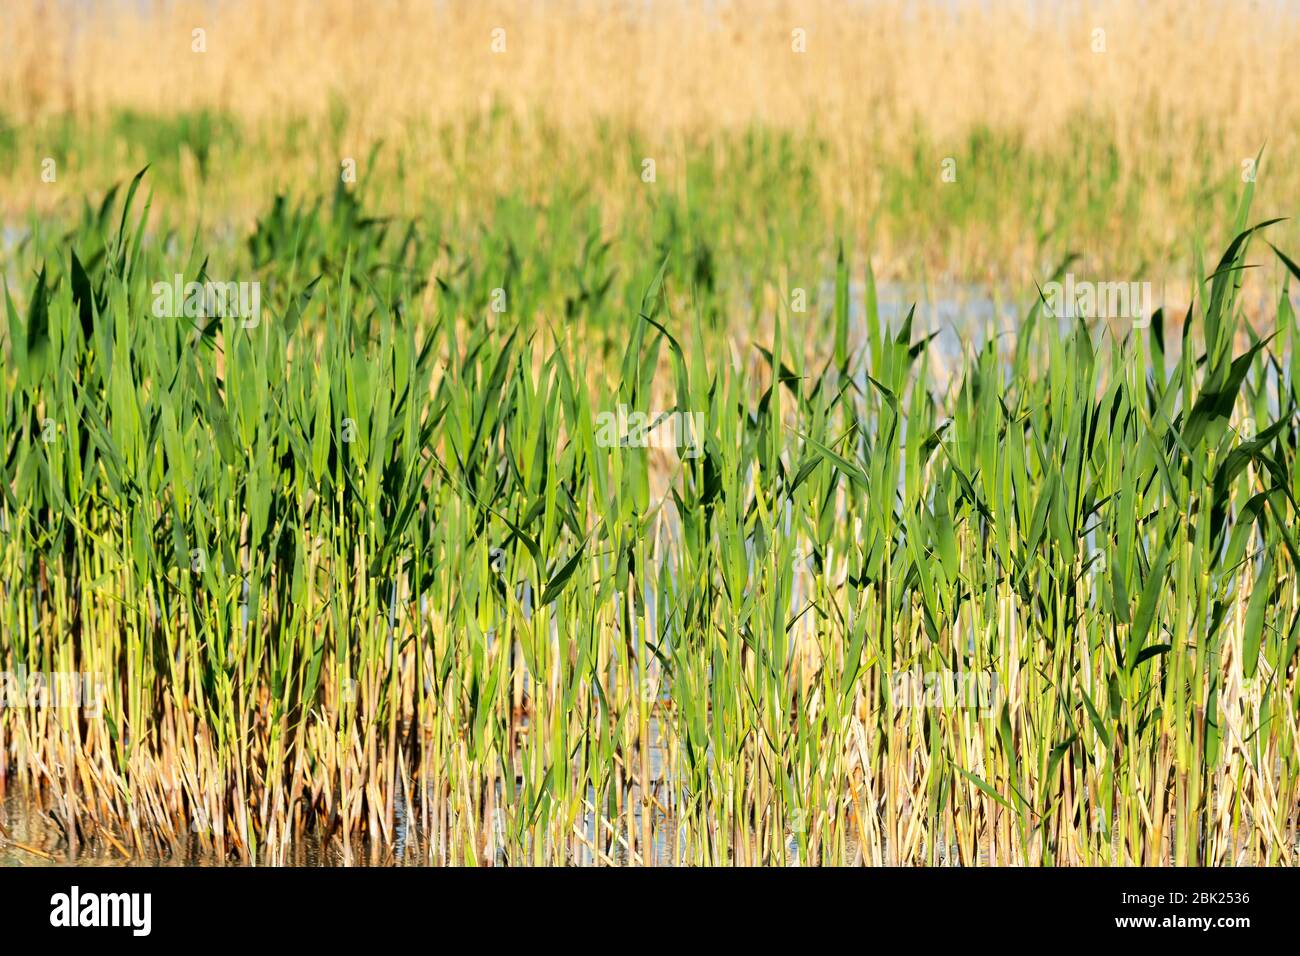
(866,69)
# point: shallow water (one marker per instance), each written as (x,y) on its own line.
(31,835)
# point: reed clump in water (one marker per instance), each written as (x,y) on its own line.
(369,565)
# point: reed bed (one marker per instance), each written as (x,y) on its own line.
(377,568)
(669,64)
